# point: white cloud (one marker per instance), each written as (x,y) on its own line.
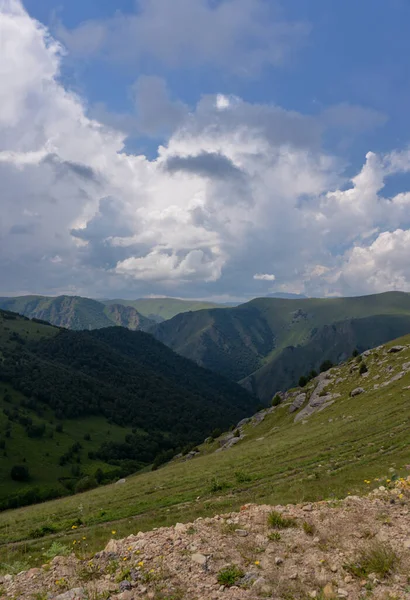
(238,191)
(249,33)
(264,277)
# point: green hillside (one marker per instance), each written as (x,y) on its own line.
(74,312)
(269,343)
(334,444)
(114,400)
(161,309)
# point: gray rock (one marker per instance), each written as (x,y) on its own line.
(241,532)
(125,585)
(406,366)
(298,402)
(200,559)
(243,422)
(357,391)
(395,349)
(120,481)
(74,594)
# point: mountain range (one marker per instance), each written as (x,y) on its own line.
(268,343)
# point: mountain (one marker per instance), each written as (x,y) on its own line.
(268,343)
(74,312)
(81,406)
(161,309)
(347,432)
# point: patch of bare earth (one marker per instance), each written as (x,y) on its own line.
(356,548)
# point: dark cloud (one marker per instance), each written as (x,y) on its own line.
(107,222)
(205,164)
(22,229)
(62,167)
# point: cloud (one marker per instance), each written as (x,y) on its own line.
(238,191)
(264,277)
(205,164)
(186,33)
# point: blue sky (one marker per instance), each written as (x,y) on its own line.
(311,86)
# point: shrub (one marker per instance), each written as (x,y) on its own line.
(86,483)
(42,531)
(216,433)
(308,528)
(355,353)
(274,536)
(276,521)
(379,558)
(276,400)
(20,473)
(57,549)
(302,381)
(242,477)
(363,368)
(326,365)
(230,575)
(218,486)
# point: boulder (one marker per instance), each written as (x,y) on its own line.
(298,402)
(395,349)
(357,391)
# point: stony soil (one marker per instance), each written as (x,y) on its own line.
(316,557)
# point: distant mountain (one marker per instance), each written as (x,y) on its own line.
(268,343)
(81,407)
(75,312)
(161,309)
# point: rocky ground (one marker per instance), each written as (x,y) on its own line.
(355,548)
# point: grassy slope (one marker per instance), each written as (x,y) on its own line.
(279,461)
(239,341)
(75,312)
(160,309)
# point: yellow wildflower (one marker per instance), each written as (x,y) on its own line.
(113,532)
(257,562)
(152,571)
(141,563)
(75,541)
(74,527)
(84,538)
(125,558)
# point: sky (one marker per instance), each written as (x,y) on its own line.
(220,149)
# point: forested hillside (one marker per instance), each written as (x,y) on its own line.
(92,405)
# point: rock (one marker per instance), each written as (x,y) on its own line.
(8,578)
(406,543)
(307,508)
(180,527)
(199,558)
(395,349)
(241,532)
(357,391)
(278,560)
(297,403)
(342,593)
(125,585)
(120,481)
(74,594)
(333,568)
(348,579)
(127,595)
(328,591)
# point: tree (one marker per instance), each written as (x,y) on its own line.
(276,400)
(20,473)
(355,353)
(326,365)
(363,368)
(302,381)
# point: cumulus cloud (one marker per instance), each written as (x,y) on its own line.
(264,277)
(249,33)
(237,192)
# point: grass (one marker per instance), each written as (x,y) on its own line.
(276,521)
(230,575)
(378,557)
(308,528)
(287,462)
